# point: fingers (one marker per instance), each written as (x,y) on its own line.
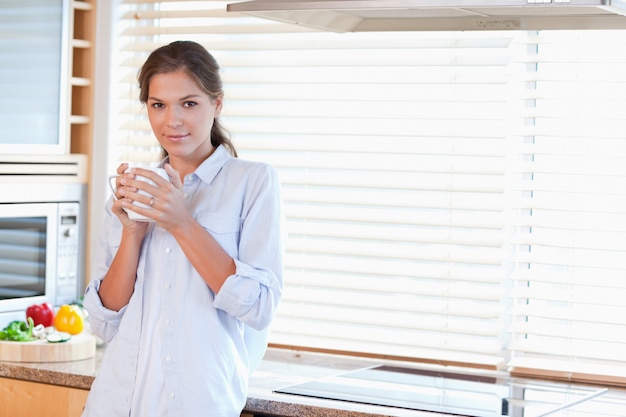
(155,177)
(145,185)
(174,176)
(122,168)
(149,198)
(127,190)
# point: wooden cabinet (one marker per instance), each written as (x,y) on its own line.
(82,17)
(81,86)
(25,398)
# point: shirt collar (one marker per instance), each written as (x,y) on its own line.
(208,169)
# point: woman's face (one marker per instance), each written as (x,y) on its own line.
(181,115)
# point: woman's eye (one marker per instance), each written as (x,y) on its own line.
(157,105)
(189,103)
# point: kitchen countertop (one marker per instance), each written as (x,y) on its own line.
(278,369)
(282,368)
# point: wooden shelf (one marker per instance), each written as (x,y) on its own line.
(80,82)
(79,120)
(81,77)
(81,85)
(82,5)
(81,43)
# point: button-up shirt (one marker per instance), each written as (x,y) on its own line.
(178,349)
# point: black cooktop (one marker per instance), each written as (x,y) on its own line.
(451,393)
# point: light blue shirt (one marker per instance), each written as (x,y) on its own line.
(177,349)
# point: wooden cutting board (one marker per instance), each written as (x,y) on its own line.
(79,347)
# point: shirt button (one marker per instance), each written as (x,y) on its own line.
(185,196)
(168,250)
(172,395)
(168,358)
(167,322)
(167,286)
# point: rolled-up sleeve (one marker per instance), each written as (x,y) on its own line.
(252,294)
(104,322)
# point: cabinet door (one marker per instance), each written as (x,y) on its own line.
(24,398)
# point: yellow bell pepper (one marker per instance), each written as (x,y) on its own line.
(69,319)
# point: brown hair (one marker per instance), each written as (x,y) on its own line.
(199,64)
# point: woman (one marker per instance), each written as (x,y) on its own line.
(184,301)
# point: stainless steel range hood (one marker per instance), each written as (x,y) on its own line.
(399,15)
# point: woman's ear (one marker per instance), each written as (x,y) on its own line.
(218,105)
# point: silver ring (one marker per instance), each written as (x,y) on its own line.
(151,202)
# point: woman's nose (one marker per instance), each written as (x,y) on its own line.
(173,118)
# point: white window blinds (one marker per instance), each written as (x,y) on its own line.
(569,313)
(392,175)
(426,212)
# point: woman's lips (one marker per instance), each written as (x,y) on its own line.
(176,138)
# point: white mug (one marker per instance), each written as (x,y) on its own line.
(131,214)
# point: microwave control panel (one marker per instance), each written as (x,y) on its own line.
(68,250)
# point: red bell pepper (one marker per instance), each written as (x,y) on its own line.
(41,314)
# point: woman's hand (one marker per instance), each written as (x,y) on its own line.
(164,202)
(121,201)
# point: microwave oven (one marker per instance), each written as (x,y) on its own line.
(42,233)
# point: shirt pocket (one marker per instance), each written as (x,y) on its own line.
(224,228)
